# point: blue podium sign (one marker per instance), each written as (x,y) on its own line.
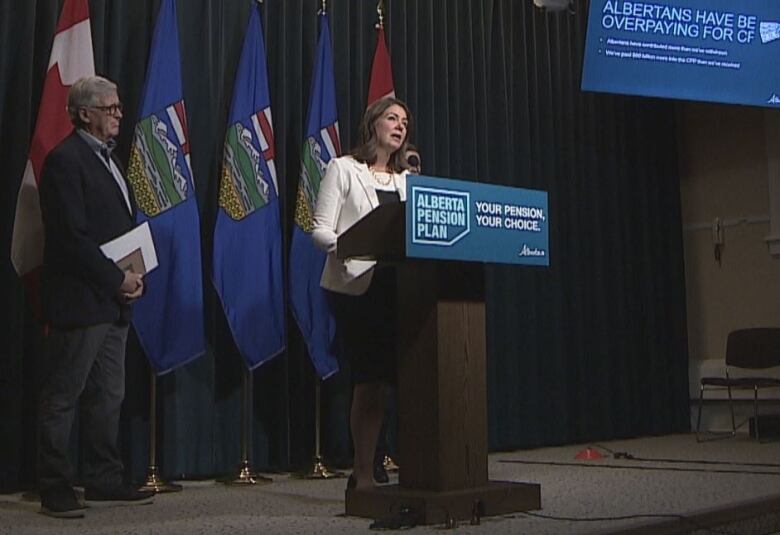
(457,220)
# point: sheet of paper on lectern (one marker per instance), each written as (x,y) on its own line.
(133,251)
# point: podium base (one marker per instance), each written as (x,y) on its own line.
(434,507)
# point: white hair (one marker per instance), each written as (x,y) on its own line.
(87,92)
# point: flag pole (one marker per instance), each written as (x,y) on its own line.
(330,131)
(380,11)
(319,469)
(246,476)
(388,462)
(153,480)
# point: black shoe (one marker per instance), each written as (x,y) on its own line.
(119,495)
(380,474)
(61,502)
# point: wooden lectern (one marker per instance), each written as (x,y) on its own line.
(442,394)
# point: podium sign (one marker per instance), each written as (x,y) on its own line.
(456,220)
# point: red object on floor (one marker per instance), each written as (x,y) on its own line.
(589,454)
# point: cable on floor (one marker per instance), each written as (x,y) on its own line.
(683,518)
(650,468)
(630,457)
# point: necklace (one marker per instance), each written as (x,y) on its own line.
(383,178)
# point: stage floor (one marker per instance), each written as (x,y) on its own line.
(671,485)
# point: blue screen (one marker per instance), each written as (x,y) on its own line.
(709,50)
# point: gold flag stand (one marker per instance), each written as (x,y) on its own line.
(319,470)
(154,481)
(245,475)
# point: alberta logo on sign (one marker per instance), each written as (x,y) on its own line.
(439,216)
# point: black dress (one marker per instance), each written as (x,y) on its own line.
(366,324)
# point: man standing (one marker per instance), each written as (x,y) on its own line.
(85,202)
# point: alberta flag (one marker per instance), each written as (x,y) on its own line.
(248,233)
(309,302)
(169,316)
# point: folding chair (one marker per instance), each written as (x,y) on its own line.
(747,350)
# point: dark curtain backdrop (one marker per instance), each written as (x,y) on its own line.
(591,348)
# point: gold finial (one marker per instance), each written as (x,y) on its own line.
(380,11)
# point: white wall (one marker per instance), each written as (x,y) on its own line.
(724,172)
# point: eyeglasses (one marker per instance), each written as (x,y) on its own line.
(112,109)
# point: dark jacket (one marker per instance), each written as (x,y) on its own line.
(82,208)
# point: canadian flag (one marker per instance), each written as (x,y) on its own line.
(71,59)
(381,83)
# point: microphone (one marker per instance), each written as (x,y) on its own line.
(413,160)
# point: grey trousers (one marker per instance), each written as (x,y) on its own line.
(84,371)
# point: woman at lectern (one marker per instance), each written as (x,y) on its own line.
(363,294)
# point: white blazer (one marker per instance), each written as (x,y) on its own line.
(346,195)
